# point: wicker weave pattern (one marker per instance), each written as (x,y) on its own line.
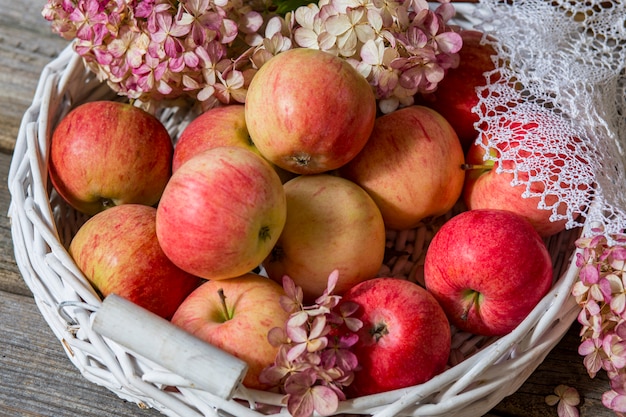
(42,226)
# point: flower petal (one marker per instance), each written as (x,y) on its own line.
(325,400)
(449,42)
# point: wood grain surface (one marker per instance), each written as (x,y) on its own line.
(37,378)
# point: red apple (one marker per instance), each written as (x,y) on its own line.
(118,252)
(309,111)
(456,94)
(488,269)
(221,213)
(331,224)
(411,166)
(485,187)
(405,339)
(106,153)
(218,126)
(236,315)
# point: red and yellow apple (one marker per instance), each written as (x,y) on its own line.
(488,269)
(236,315)
(331,224)
(218,126)
(309,111)
(221,213)
(118,252)
(411,166)
(405,339)
(485,187)
(106,153)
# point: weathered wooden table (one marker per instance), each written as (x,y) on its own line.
(36,377)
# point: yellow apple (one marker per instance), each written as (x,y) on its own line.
(412,166)
(331,223)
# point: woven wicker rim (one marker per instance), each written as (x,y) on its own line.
(42,226)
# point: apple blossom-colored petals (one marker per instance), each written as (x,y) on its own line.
(312,366)
(277,336)
(340,354)
(591,349)
(293,295)
(446,10)
(306,397)
(589,274)
(566,399)
(449,42)
(614,401)
(297,319)
(615,352)
(118,38)
(601,293)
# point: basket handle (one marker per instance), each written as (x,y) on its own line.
(155,338)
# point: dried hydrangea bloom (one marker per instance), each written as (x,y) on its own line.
(209,50)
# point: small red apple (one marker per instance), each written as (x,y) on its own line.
(236,315)
(118,252)
(411,166)
(221,213)
(456,94)
(488,269)
(405,339)
(106,153)
(309,111)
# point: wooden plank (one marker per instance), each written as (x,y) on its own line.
(36,377)
(26,46)
(562,366)
(10,279)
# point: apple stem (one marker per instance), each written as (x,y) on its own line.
(220,292)
(471,302)
(469,167)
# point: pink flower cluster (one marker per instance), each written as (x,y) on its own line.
(601,292)
(154,49)
(314,361)
(209,50)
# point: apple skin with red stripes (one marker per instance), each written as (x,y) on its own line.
(488,269)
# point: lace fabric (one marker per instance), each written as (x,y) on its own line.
(555,105)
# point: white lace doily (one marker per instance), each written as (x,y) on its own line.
(560,80)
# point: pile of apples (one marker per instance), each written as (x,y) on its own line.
(304,179)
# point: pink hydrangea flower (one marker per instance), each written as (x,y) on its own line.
(161,49)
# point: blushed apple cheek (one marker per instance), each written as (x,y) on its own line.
(188,318)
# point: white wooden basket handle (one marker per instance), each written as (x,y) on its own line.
(178,351)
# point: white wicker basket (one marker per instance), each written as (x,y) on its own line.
(42,226)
